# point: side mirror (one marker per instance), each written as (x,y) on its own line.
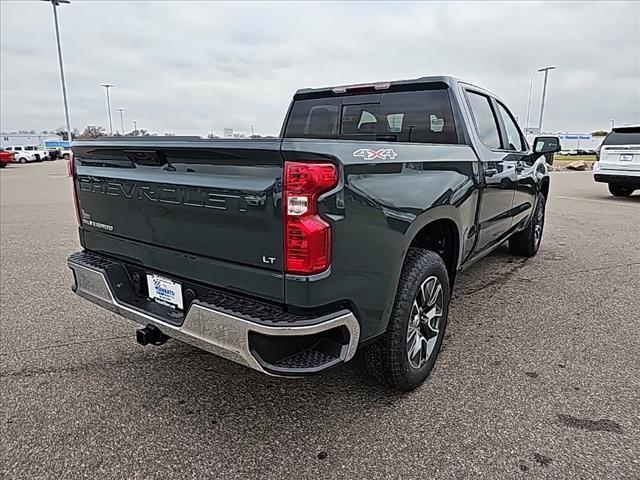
(545,145)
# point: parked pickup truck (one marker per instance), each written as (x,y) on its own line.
(347,232)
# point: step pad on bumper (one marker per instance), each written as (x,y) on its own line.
(307,359)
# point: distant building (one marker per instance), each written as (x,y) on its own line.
(228,133)
(585,141)
(572,141)
(22,139)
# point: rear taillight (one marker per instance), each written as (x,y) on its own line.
(72,173)
(307,235)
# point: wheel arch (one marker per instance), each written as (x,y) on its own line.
(442,236)
(425,229)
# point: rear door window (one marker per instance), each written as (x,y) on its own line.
(418,116)
(485,120)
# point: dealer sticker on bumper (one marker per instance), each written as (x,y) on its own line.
(164,291)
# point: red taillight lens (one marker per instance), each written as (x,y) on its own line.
(72,173)
(307,235)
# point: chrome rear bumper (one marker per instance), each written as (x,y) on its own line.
(220,332)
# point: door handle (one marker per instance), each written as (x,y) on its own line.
(490,172)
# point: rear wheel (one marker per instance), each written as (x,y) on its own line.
(618,190)
(407,352)
(66,156)
(23,160)
(527,242)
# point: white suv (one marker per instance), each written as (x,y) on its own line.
(619,161)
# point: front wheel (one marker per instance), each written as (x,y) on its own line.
(527,242)
(618,190)
(407,352)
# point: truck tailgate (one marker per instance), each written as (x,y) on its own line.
(204,210)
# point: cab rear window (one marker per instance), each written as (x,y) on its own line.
(416,116)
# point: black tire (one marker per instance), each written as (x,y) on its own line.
(388,359)
(23,160)
(527,243)
(618,190)
(2,164)
(66,156)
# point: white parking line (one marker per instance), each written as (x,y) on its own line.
(607,202)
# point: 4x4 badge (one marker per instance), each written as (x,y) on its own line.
(369,154)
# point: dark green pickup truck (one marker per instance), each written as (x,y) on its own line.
(347,232)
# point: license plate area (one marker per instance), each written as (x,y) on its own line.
(165,291)
(626,157)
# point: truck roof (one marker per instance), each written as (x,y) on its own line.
(446,80)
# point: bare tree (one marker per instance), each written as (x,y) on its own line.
(62,133)
(92,131)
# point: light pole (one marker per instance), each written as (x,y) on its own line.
(135,128)
(54,4)
(544,95)
(121,110)
(107,86)
(253,133)
(526,125)
(613,122)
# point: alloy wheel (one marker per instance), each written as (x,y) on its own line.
(424,322)
(538,223)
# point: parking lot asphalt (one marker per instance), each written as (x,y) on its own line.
(538,376)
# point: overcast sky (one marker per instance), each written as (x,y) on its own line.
(188,67)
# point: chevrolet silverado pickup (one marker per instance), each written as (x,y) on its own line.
(346,233)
